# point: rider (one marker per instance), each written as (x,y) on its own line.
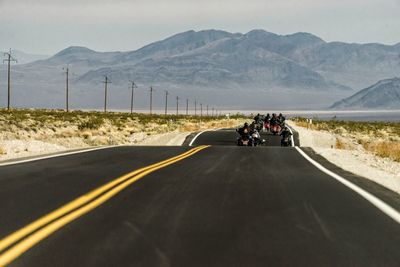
(274,120)
(244,130)
(286,134)
(281,119)
(267,118)
(253,127)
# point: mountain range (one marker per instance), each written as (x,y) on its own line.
(258,69)
(24,58)
(384,94)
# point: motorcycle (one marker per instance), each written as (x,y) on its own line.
(259,126)
(256,138)
(275,129)
(245,141)
(286,141)
(252,139)
(267,126)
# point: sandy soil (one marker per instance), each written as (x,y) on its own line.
(167,139)
(26,133)
(354,158)
(25,148)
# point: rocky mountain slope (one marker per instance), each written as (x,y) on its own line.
(383,95)
(235,70)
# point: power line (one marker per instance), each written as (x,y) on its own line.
(166,102)
(177,105)
(106,82)
(133,86)
(151,99)
(66,88)
(9,58)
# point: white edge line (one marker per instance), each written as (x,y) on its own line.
(55,156)
(291,137)
(200,133)
(194,139)
(385,208)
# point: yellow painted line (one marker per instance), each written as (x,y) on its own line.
(9,240)
(21,247)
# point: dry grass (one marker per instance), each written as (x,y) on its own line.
(384,149)
(378,129)
(380,138)
(304,124)
(2,151)
(77,128)
(340,144)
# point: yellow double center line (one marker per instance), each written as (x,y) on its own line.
(25,238)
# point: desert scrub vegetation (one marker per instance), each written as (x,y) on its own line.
(378,129)
(91,123)
(80,128)
(384,149)
(380,138)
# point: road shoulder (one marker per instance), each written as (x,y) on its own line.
(390,197)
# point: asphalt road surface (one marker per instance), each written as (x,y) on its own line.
(214,206)
(227,137)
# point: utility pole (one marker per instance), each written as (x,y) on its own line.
(207,110)
(177,105)
(166,102)
(133,86)
(106,82)
(66,88)
(201,110)
(195,107)
(213,112)
(151,99)
(187,106)
(9,59)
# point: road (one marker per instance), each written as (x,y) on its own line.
(214,206)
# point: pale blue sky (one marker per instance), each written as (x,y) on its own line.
(47,26)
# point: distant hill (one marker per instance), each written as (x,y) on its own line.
(24,58)
(383,95)
(256,69)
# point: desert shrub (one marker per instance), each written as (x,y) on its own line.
(377,129)
(340,144)
(92,123)
(384,149)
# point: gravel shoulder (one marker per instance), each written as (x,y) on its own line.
(15,149)
(357,160)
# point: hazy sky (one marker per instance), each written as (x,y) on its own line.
(47,26)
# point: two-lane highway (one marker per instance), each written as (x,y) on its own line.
(217,206)
(228,137)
